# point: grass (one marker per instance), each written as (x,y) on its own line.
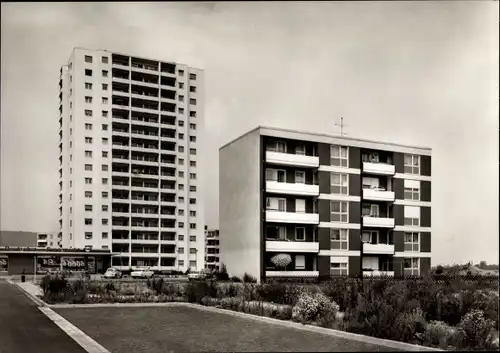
(185,329)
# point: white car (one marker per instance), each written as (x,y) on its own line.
(197,275)
(113,273)
(142,273)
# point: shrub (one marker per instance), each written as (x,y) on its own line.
(314,307)
(477,330)
(235,279)
(281,293)
(53,284)
(439,334)
(411,325)
(195,291)
(222,275)
(249,278)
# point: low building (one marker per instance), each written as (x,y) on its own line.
(17,238)
(212,261)
(15,260)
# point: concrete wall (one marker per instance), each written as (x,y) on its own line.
(16,238)
(240,205)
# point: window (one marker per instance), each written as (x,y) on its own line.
(104,194)
(181,224)
(88,59)
(192,225)
(339,211)
(181,110)
(181,186)
(88,235)
(104,86)
(370,183)
(181,149)
(412,242)
(181,161)
(192,76)
(192,101)
(181,72)
(192,188)
(192,163)
(192,89)
(181,174)
(339,156)
(104,167)
(411,266)
(104,100)
(276,175)
(300,150)
(300,262)
(104,221)
(88,139)
(192,264)
(181,85)
(181,199)
(104,208)
(105,181)
(88,99)
(192,238)
(338,269)
(181,122)
(88,167)
(88,126)
(88,72)
(104,127)
(105,73)
(181,98)
(276,146)
(88,180)
(192,138)
(300,234)
(180,262)
(181,136)
(181,212)
(88,221)
(276,204)
(412,216)
(104,59)
(104,236)
(104,113)
(71,131)
(300,206)
(412,164)
(192,176)
(192,201)
(192,151)
(88,112)
(104,154)
(300,177)
(370,210)
(88,208)
(192,126)
(339,183)
(192,114)
(412,189)
(192,213)
(339,239)
(105,140)
(88,85)
(192,251)
(88,194)
(181,237)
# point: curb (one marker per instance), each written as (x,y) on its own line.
(310,328)
(37,301)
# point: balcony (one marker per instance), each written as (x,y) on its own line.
(144,254)
(292,217)
(297,160)
(381,222)
(139,214)
(378,249)
(292,188)
(292,246)
(378,195)
(120,173)
(379,168)
(292,274)
(378,273)
(120,227)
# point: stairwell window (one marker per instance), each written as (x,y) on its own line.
(339,239)
(339,211)
(412,164)
(339,183)
(338,269)
(412,190)
(412,242)
(339,156)
(411,266)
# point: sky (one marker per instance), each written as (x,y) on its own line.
(417,73)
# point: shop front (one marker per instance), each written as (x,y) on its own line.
(18,260)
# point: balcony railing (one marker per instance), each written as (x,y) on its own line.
(378,168)
(376,273)
(383,249)
(291,217)
(292,246)
(292,274)
(378,194)
(383,222)
(298,160)
(273,186)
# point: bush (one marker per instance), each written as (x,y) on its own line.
(235,279)
(411,326)
(53,284)
(195,291)
(249,278)
(312,307)
(477,330)
(222,275)
(439,334)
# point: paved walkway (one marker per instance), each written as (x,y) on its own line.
(31,288)
(24,328)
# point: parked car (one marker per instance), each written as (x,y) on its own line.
(198,275)
(142,273)
(113,273)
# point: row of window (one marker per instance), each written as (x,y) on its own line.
(411,267)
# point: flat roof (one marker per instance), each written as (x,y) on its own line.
(326,138)
(51,251)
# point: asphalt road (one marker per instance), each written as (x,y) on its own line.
(24,328)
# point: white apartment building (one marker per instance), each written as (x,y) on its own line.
(128,152)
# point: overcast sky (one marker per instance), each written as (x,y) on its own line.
(418,73)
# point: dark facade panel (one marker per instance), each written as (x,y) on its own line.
(355,157)
(399,188)
(399,162)
(398,263)
(354,266)
(425,266)
(324,266)
(354,184)
(425,242)
(425,191)
(262,189)
(354,239)
(426,165)
(399,215)
(399,240)
(425,216)
(354,212)
(290,204)
(324,154)
(324,238)
(324,210)
(324,182)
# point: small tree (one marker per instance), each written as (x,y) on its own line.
(222,275)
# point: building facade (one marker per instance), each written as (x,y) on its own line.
(49,240)
(295,204)
(128,159)
(212,250)
(17,238)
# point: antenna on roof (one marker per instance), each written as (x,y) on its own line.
(342,127)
